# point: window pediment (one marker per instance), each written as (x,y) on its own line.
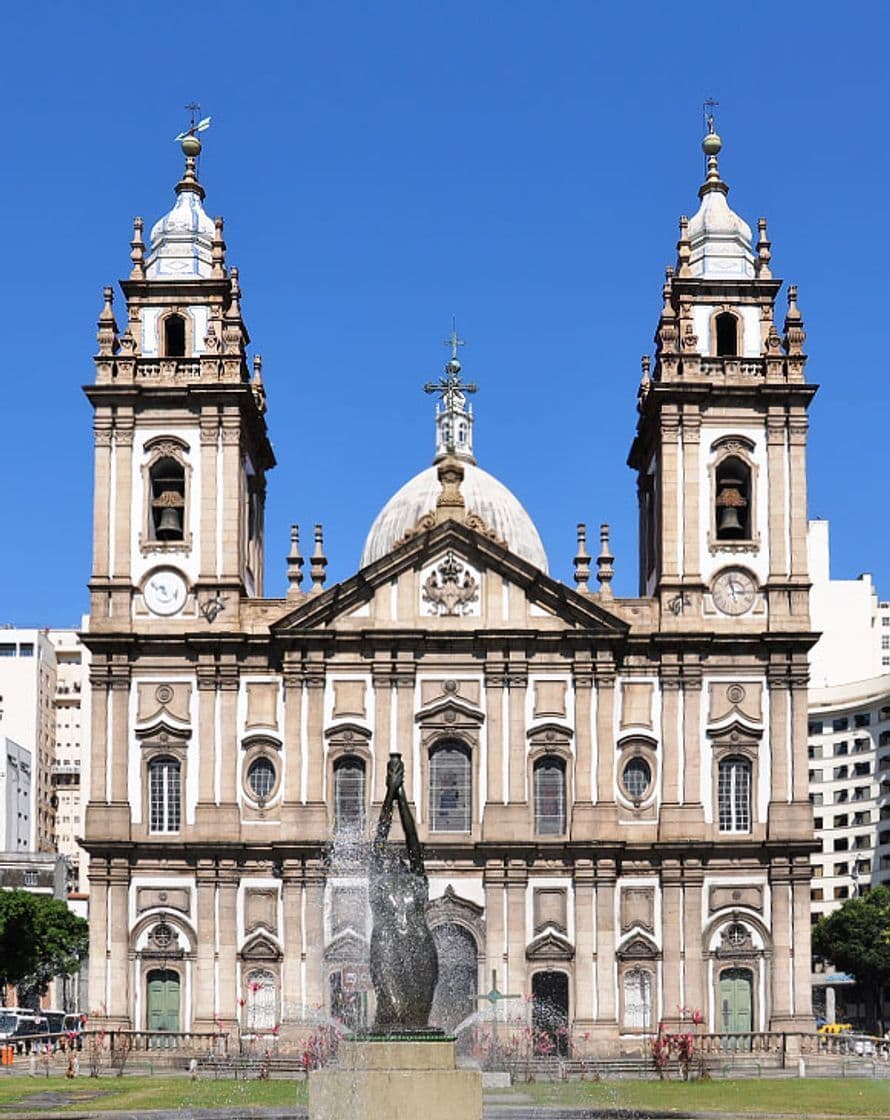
(347,948)
(449,714)
(260,948)
(163,734)
(638,948)
(550,947)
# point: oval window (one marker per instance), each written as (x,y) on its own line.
(636,778)
(261,777)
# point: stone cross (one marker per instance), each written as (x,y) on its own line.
(494,997)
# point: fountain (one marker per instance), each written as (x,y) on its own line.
(403,1068)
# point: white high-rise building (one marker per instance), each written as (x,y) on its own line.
(71,717)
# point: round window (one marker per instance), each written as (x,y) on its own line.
(261,777)
(736,935)
(636,778)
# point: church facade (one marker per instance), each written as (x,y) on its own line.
(611,792)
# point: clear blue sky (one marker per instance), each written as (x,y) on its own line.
(382,166)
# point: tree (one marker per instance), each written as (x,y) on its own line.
(856,938)
(39,938)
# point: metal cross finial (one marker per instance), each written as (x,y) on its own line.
(454,342)
(708,112)
(194,108)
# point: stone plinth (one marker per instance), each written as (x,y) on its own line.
(381,1079)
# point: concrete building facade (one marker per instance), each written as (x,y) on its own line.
(612,792)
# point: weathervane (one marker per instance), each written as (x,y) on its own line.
(708,108)
(194,126)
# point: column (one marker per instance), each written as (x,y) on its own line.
(494,881)
(315,993)
(777,683)
(774,493)
(517,932)
(99,957)
(205,519)
(405,727)
(227,933)
(206,734)
(293,734)
(605,730)
(692,736)
(102,496)
(797,451)
(692,491)
(671,777)
(494,734)
(231,496)
(516,746)
(120,737)
(799,735)
(292,939)
(583,683)
(605,940)
(118,963)
(228,719)
(694,964)
(315,731)
(800,941)
(781,979)
(203,996)
(123,492)
(98,734)
(671,906)
(584,940)
(382,729)
(670,518)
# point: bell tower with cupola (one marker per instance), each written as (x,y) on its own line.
(181,443)
(720,449)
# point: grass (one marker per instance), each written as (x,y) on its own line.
(809,1098)
(154,1092)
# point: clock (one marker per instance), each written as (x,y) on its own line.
(734,591)
(164,592)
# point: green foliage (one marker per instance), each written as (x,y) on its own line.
(856,937)
(39,938)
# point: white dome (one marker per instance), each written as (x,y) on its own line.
(483,494)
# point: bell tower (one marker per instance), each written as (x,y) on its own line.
(720,447)
(181,447)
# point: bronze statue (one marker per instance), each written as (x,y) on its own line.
(404,962)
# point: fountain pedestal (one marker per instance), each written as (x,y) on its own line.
(395,1079)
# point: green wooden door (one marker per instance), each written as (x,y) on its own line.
(735,1010)
(163,1000)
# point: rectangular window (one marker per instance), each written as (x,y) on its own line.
(734,795)
(164,793)
(814,751)
(841,844)
(842,869)
(815,798)
(841,748)
(815,775)
(860,746)
(861,793)
(861,769)
(815,727)
(7,649)
(863,719)
(885,642)
(863,841)
(862,817)
(817,823)
(841,820)
(30,878)
(817,871)
(840,772)
(841,892)
(840,723)
(26,649)
(451,791)
(816,894)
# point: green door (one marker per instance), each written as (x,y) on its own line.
(735,1008)
(163,1000)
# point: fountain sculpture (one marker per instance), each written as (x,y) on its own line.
(404,1068)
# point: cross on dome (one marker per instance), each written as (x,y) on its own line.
(454,416)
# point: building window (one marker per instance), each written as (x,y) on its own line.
(863,719)
(30,878)
(733,499)
(816,799)
(841,796)
(840,772)
(862,817)
(814,750)
(841,821)
(167,490)
(841,748)
(842,869)
(841,892)
(861,769)
(734,795)
(841,844)
(261,1001)
(174,336)
(726,328)
(636,778)
(349,794)
(261,777)
(840,723)
(450,788)
(816,894)
(163,780)
(815,727)
(638,999)
(550,796)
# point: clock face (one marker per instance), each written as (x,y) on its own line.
(734,591)
(164,592)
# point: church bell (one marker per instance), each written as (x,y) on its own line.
(729,502)
(170,525)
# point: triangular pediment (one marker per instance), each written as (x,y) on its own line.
(347,948)
(550,947)
(450,597)
(260,948)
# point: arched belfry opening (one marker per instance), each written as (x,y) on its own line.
(733,499)
(726,328)
(174,336)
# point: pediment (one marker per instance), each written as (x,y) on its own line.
(638,948)
(162,732)
(348,948)
(260,948)
(425,553)
(451,710)
(550,947)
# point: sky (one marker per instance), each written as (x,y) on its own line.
(384,166)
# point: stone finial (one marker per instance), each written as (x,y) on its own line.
(795,336)
(218,251)
(582,560)
(256,384)
(294,564)
(234,308)
(450,499)
(684,248)
(318,561)
(106,335)
(137,251)
(645,381)
(764,252)
(604,569)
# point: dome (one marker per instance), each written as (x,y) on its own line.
(181,243)
(719,240)
(483,495)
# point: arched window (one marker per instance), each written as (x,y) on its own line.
(638,999)
(733,499)
(167,489)
(726,329)
(174,336)
(734,794)
(349,794)
(550,796)
(261,777)
(450,788)
(261,1001)
(164,800)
